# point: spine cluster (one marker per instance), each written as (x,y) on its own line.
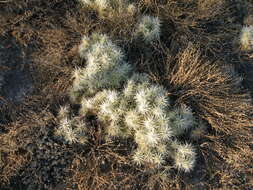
(246,38)
(148,28)
(107,8)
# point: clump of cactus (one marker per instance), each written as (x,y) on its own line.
(246,38)
(184,156)
(72,130)
(128,104)
(105,67)
(149,28)
(108,7)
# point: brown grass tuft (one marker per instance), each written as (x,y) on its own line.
(214,93)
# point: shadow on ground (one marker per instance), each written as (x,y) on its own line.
(16,81)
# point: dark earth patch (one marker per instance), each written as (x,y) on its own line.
(16,81)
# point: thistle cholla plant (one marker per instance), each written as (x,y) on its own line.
(72,130)
(108,7)
(105,69)
(246,38)
(128,104)
(149,28)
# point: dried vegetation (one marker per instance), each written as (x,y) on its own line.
(197,59)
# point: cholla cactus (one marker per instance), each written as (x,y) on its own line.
(148,156)
(128,104)
(137,80)
(92,105)
(246,38)
(105,67)
(149,28)
(184,156)
(130,112)
(181,120)
(63,112)
(72,130)
(107,7)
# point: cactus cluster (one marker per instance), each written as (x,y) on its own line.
(108,7)
(105,67)
(184,156)
(72,130)
(128,104)
(148,28)
(246,38)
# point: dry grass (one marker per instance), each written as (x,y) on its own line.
(108,165)
(49,32)
(228,160)
(214,92)
(15,154)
